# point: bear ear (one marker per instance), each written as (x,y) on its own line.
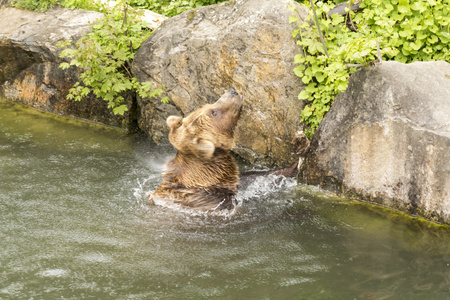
(174,121)
(203,148)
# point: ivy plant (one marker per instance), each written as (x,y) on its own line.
(105,56)
(400,30)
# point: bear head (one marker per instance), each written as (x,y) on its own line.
(207,129)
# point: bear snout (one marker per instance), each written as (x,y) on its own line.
(233,92)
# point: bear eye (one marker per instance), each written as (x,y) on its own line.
(214,112)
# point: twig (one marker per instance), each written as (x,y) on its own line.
(339,9)
(350,4)
(124,65)
(300,31)
(318,28)
(125,15)
(379,52)
(349,66)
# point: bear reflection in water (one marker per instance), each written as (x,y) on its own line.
(203,175)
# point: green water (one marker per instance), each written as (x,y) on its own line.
(74,224)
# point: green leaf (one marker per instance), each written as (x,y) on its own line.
(342,86)
(407,33)
(147,85)
(64,65)
(416,45)
(337,19)
(428,21)
(306,79)
(85,91)
(299,70)
(419,6)
(403,8)
(299,59)
(293,19)
(432,39)
(120,110)
(306,112)
(304,95)
(320,76)
(311,88)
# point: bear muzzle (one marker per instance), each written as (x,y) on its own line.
(230,102)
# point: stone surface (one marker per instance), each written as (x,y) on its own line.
(29,62)
(387,139)
(5,3)
(201,53)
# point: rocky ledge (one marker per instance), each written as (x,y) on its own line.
(387,140)
(29,62)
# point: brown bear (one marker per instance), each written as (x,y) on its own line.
(203,175)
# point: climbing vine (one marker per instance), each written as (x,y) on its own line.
(105,55)
(403,30)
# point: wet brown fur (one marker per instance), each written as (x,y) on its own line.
(203,175)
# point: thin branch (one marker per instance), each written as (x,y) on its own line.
(349,66)
(124,65)
(300,31)
(350,4)
(379,52)
(339,9)
(318,28)
(125,12)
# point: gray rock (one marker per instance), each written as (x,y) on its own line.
(387,139)
(29,62)
(244,44)
(5,3)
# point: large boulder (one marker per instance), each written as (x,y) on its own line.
(29,62)
(387,139)
(246,45)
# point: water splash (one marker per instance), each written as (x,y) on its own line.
(263,186)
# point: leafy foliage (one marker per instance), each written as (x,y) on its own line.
(105,55)
(43,5)
(171,8)
(34,5)
(419,30)
(81,4)
(406,31)
(168,8)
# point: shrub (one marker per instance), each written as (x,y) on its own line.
(105,55)
(404,31)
